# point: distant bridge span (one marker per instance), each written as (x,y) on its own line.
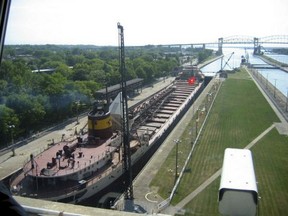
(273,39)
(240,39)
(257,42)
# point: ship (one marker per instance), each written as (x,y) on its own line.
(72,170)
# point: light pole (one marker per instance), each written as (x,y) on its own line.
(176,165)
(197,120)
(11,131)
(208,99)
(12,139)
(287,101)
(275,88)
(198,113)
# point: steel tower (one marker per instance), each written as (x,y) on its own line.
(126,156)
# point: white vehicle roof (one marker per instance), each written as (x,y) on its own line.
(238,193)
(238,171)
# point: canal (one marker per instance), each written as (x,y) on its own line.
(276,77)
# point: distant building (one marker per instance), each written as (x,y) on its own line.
(46,70)
(112,91)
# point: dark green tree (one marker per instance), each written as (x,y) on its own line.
(9,123)
(29,111)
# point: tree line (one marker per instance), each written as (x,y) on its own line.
(32,99)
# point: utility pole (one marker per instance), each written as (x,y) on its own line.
(12,139)
(125,124)
(287,101)
(11,127)
(275,88)
(176,164)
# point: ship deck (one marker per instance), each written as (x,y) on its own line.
(83,156)
(161,114)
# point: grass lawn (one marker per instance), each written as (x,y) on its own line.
(239,115)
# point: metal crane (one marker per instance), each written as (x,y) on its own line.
(126,156)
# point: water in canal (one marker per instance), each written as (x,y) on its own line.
(276,77)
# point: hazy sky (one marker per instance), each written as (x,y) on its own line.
(145,21)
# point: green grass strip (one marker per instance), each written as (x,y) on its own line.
(239,115)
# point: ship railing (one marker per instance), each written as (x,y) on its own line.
(77,167)
(42,149)
(102,174)
(73,189)
(54,193)
(103,171)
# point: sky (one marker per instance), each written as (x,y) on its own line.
(145,21)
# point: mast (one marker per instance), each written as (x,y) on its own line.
(125,124)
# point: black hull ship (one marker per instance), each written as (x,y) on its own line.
(73,170)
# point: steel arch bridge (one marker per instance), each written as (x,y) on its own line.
(238,39)
(256,41)
(242,39)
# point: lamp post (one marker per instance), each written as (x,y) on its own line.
(275,88)
(12,139)
(176,164)
(287,101)
(197,120)
(208,99)
(11,131)
(198,113)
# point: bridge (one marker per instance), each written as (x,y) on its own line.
(257,42)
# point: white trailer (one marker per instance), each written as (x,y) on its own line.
(238,193)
